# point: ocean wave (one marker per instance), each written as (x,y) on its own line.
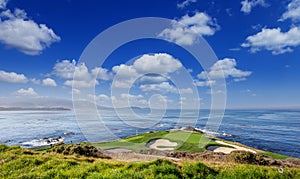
(42,142)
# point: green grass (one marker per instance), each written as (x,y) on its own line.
(187,141)
(274,155)
(25,163)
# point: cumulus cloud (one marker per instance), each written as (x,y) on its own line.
(274,40)
(83,78)
(152,78)
(49,82)
(164,87)
(222,69)
(101,73)
(129,100)
(3,4)
(12,77)
(20,32)
(293,11)
(204,83)
(26,92)
(125,76)
(150,67)
(185,3)
(35,81)
(81,83)
(248,5)
(64,69)
(160,63)
(186,30)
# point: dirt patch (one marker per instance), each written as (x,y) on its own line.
(118,150)
(162,144)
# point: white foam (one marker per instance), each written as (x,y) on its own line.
(42,142)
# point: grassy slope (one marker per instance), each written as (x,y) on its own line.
(187,141)
(24,163)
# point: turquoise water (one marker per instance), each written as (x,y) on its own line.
(270,130)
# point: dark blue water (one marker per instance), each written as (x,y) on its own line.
(270,130)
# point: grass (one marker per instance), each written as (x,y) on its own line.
(28,163)
(274,155)
(187,141)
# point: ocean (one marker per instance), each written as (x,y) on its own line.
(270,130)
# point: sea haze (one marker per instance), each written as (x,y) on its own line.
(270,130)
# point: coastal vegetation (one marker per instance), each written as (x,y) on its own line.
(16,162)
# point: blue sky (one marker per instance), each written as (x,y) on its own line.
(257,44)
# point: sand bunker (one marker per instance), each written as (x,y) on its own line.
(162,144)
(228,150)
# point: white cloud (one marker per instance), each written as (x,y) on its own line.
(274,40)
(102,73)
(102,97)
(164,87)
(186,91)
(83,78)
(293,11)
(130,96)
(159,63)
(204,83)
(26,92)
(76,91)
(35,81)
(64,69)
(147,66)
(186,30)
(81,83)
(152,79)
(248,5)
(125,76)
(128,100)
(223,69)
(49,82)
(19,32)
(185,3)
(12,77)
(3,4)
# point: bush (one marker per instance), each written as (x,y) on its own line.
(245,157)
(82,149)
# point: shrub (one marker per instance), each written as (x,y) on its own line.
(245,157)
(78,149)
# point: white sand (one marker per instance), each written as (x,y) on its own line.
(162,144)
(227,150)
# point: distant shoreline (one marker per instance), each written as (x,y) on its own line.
(34,109)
